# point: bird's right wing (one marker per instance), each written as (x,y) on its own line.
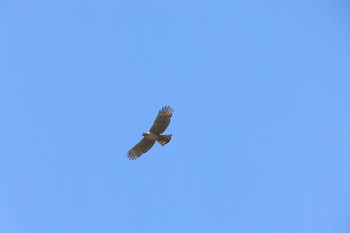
(140,148)
(162,121)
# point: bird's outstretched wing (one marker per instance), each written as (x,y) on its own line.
(140,148)
(162,121)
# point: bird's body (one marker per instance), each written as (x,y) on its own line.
(151,136)
(154,134)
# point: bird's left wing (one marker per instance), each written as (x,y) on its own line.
(140,148)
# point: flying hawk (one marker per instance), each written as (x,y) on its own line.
(154,134)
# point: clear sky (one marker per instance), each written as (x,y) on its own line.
(261,124)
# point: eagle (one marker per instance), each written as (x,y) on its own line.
(154,134)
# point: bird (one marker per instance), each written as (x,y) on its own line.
(154,134)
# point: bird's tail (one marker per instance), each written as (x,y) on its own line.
(164,139)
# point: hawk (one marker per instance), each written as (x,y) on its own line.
(154,134)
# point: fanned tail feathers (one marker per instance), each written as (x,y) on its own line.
(164,139)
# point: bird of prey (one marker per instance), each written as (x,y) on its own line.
(154,134)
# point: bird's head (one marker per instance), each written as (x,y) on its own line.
(145,134)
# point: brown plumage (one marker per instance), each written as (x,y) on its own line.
(154,134)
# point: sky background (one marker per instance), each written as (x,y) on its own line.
(261,124)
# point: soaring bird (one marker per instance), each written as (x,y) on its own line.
(154,134)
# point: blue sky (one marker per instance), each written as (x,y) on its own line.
(261,127)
